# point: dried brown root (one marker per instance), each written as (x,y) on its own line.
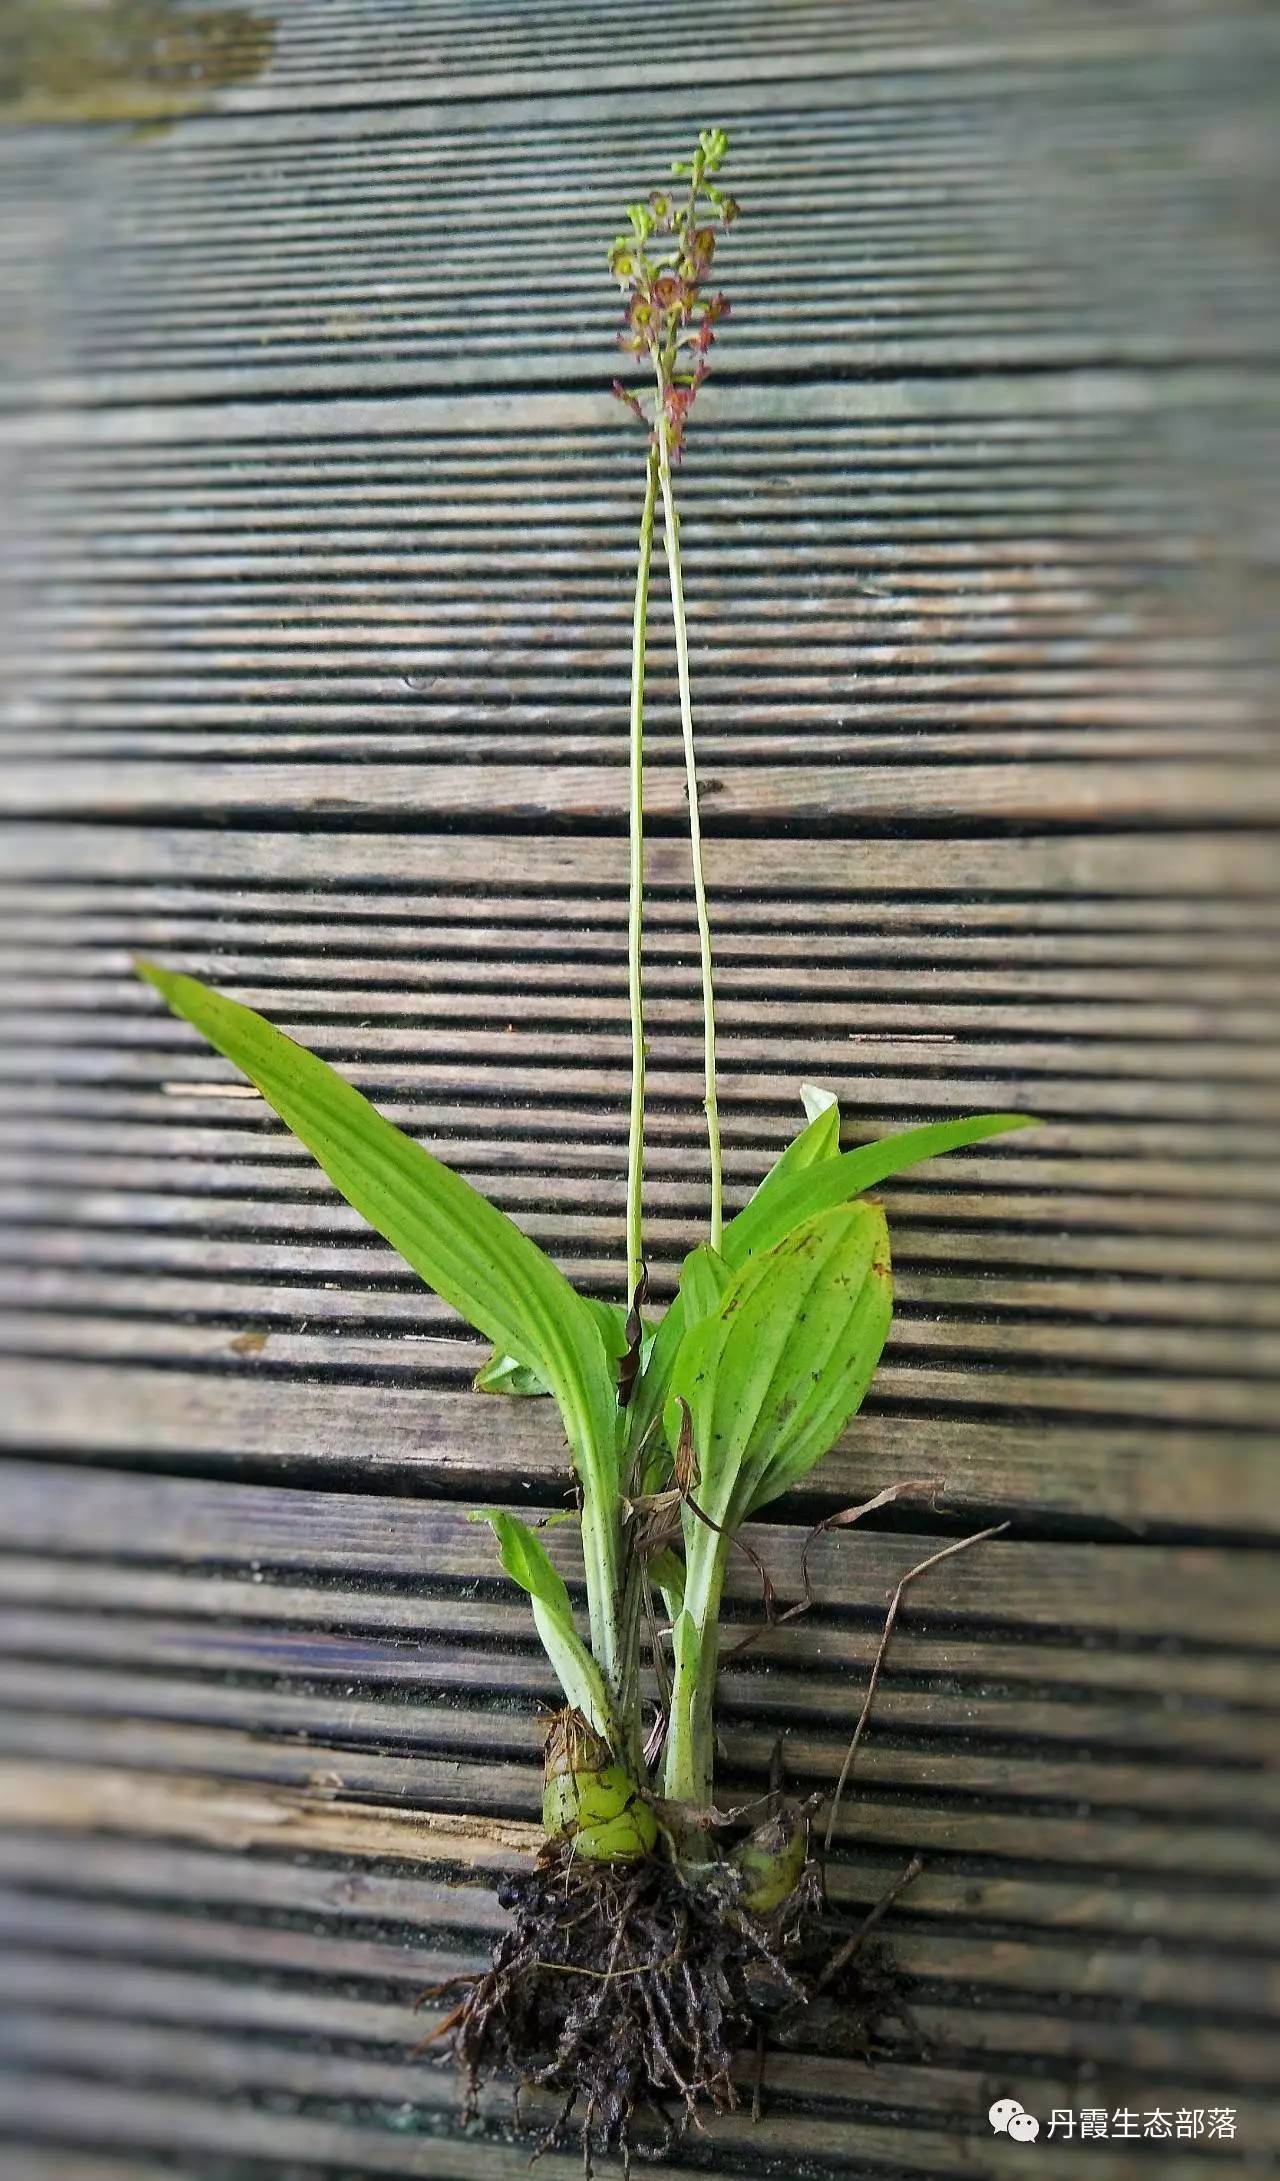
(631,1990)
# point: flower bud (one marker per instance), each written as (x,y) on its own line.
(625,395)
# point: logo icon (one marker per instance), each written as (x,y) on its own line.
(1008,2118)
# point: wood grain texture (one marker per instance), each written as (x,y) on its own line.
(1085,1330)
(1071,210)
(313,614)
(1040,601)
(276,1841)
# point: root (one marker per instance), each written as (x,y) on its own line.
(634,1988)
(922,1567)
(622,1991)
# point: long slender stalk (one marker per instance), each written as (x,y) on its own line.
(635,918)
(671,537)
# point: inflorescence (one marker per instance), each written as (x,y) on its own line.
(662,267)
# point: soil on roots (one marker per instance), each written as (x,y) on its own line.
(621,1989)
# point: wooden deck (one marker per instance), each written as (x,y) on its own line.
(316,628)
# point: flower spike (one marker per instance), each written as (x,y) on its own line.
(665,306)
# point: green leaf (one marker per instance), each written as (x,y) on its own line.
(819,1140)
(769,1382)
(502,1374)
(666,1571)
(704,1276)
(775,1210)
(612,1321)
(505,1375)
(525,1558)
(832,1360)
(703,1279)
(460,1244)
(774,1376)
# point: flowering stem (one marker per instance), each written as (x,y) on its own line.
(635,920)
(671,533)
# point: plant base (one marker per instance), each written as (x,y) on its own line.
(625,1990)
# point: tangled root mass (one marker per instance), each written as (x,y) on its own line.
(625,1989)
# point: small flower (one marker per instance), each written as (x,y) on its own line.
(670,295)
(677,401)
(643,325)
(666,311)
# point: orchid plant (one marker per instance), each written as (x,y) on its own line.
(684,1423)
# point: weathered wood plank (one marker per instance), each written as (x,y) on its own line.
(218,2054)
(196,2022)
(970,602)
(411,1629)
(223,1813)
(1102,1471)
(143,1669)
(255,1738)
(1084,1325)
(1130,878)
(458,1760)
(911,1378)
(41,2163)
(1051,792)
(1063,1912)
(174,1989)
(38,1315)
(161,2120)
(316,57)
(1165,1590)
(1098,143)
